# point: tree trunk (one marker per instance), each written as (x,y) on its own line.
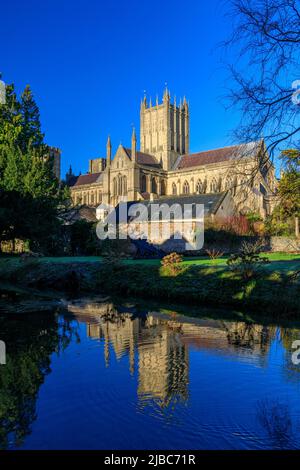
(297,227)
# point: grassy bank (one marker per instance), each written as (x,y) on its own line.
(199,282)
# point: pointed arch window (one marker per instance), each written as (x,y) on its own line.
(174,189)
(213,186)
(124,186)
(120,185)
(186,188)
(199,187)
(143,184)
(153,186)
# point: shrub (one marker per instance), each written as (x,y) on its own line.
(277,226)
(237,224)
(256,224)
(253,217)
(120,248)
(248,262)
(114,251)
(172,262)
(83,238)
(214,254)
(227,229)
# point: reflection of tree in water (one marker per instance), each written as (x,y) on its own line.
(30,341)
(249,335)
(275,418)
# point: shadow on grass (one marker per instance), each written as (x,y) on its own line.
(196,285)
(269,293)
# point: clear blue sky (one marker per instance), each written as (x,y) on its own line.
(88,63)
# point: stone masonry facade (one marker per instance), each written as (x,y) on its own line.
(164,166)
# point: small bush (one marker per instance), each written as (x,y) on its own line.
(172,262)
(248,262)
(113,253)
(237,224)
(83,238)
(281,227)
(221,229)
(256,224)
(214,254)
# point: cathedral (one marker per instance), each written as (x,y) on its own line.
(164,166)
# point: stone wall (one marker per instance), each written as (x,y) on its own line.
(290,245)
(269,244)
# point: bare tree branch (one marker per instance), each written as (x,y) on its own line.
(266,46)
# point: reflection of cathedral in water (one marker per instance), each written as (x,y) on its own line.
(162,362)
(158,345)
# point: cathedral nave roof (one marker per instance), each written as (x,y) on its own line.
(218,155)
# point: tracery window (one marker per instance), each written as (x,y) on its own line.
(186,188)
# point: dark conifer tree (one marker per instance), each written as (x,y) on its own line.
(31,125)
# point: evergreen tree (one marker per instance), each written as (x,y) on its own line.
(13,167)
(31,126)
(9,111)
(30,195)
(38,180)
(10,125)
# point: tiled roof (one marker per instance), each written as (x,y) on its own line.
(217,155)
(211,203)
(87,179)
(144,158)
(79,213)
(72,180)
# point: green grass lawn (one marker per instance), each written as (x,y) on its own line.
(202,281)
(278,261)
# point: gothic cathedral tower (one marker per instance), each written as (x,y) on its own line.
(164,130)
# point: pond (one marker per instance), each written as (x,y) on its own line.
(104,375)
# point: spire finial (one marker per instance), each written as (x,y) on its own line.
(166,96)
(144,101)
(133,130)
(133,145)
(108,151)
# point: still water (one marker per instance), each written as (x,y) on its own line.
(102,376)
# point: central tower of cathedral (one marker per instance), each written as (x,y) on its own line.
(164,130)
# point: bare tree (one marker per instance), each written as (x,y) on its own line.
(265,46)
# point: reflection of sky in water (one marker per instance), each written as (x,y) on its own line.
(167,381)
